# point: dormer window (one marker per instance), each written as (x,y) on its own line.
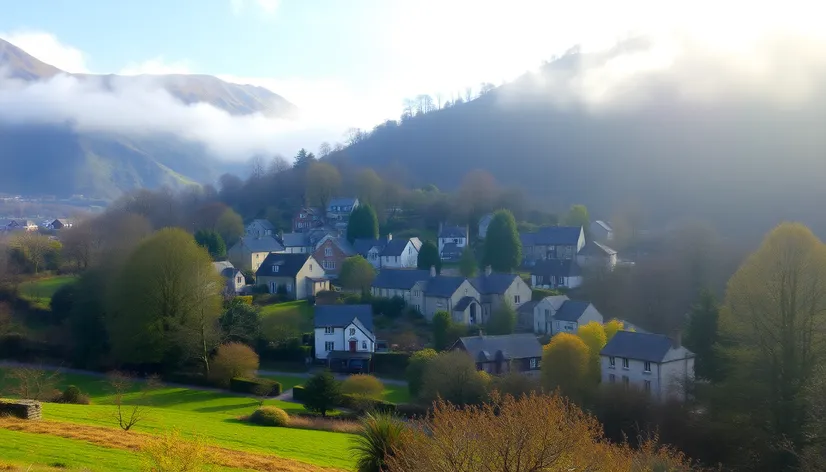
(328,251)
(275,269)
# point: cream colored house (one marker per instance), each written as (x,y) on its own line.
(250,251)
(298,275)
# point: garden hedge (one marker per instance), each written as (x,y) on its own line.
(250,386)
(390,362)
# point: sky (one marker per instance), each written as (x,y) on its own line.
(352,63)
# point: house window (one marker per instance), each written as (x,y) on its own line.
(418,308)
(352,331)
(311,267)
(238,279)
(612,362)
(624,362)
(612,378)
(289,288)
(329,330)
(646,367)
(410,250)
(275,269)
(329,345)
(533,363)
(516,299)
(647,385)
(364,344)
(328,251)
(547,314)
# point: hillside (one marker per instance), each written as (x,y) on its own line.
(58,159)
(665,155)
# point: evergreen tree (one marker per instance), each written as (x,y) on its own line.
(467,265)
(502,320)
(321,393)
(363,224)
(503,248)
(701,336)
(442,324)
(303,159)
(429,257)
(212,242)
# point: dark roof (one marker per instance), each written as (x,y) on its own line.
(453,232)
(288,265)
(556,268)
(363,245)
(229,273)
(443,286)
(640,346)
(496,282)
(262,244)
(552,236)
(295,239)
(464,303)
(340,316)
(342,201)
(527,307)
(400,278)
(395,247)
(512,346)
(451,248)
(571,310)
(264,224)
(593,248)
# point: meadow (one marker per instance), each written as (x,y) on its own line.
(40,291)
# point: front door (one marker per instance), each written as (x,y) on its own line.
(353,345)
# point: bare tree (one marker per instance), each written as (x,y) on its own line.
(257,167)
(486,87)
(278,164)
(468,94)
(355,135)
(78,245)
(424,104)
(121,384)
(324,149)
(31,383)
(439,100)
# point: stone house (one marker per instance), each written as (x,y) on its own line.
(298,275)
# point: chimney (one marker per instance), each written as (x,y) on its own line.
(433,271)
(488,270)
(677,341)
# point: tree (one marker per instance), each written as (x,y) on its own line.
(233,360)
(477,194)
(230,226)
(78,245)
(282,329)
(370,187)
(323,182)
(701,336)
(324,149)
(377,440)
(594,336)
(442,327)
(240,322)
(502,320)
(771,327)
(429,257)
(304,159)
(207,215)
(33,250)
(363,224)
(467,264)
(166,292)
(565,365)
(321,393)
(212,242)
(503,248)
(578,216)
(31,383)
(415,370)
(121,385)
(452,376)
(364,386)
(611,328)
(357,274)
(6,322)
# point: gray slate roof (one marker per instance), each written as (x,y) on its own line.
(339,316)
(295,240)
(395,247)
(527,307)
(442,286)
(453,232)
(403,279)
(464,303)
(512,346)
(342,201)
(495,283)
(264,224)
(363,245)
(262,244)
(571,310)
(288,265)
(552,236)
(641,346)
(556,268)
(593,248)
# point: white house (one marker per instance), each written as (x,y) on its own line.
(538,315)
(235,280)
(343,328)
(400,253)
(556,273)
(484,223)
(601,231)
(260,228)
(651,362)
(573,314)
(339,208)
(452,241)
(597,255)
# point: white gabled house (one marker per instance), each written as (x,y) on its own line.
(400,253)
(343,329)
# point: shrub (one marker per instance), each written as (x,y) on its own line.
(270,416)
(390,362)
(390,307)
(335,425)
(415,369)
(321,393)
(173,453)
(363,385)
(411,410)
(259,387)
(73,395)
(452,376)
(245,299)
(233,360)
(360,403)
(298,393)
(378,438)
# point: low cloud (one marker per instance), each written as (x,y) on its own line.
(156,66)
(48,49)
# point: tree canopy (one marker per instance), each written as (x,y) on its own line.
(429,257)
(594,336)
(230,226)
(323,182)
(442,323)
(363,224)
(502,248)
(357,274)
(212,242)
(565,365)
(467,264)
(578,216)
(502,320)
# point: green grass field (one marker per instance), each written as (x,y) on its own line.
(277,308)
(40,291)
(25,449)
(212,415)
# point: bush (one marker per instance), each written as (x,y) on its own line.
(292,351)
(245,299)
(362,403)
(298,393)
(73,395)
(364,385)
(411,410)
(321,393)
(270,416)
(258,387)
(172,453)
(390,362)
(415,369)
(390,307)
(233,360)
(380,436)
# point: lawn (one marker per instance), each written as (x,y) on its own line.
(275,309)
(24,449)
(397,393)
(40,291)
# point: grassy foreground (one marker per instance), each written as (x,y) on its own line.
(40,291)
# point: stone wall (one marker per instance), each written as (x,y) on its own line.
(25,409)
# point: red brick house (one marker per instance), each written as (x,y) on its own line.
(306,219)
(331,252)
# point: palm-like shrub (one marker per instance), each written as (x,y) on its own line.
(379,437)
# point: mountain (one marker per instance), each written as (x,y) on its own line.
(57,159)
(741,161)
